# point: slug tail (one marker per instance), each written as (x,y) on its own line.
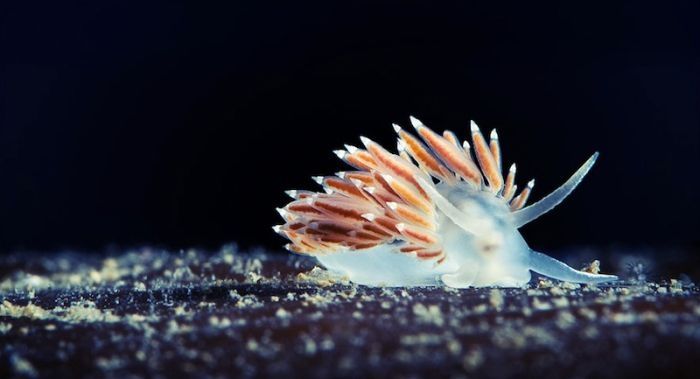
(556,269)
(530,213)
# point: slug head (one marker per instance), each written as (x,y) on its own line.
(491,251)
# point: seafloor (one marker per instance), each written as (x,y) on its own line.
(151,313)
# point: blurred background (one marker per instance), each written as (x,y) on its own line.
(181,124)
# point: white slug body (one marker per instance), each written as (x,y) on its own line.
(389,224)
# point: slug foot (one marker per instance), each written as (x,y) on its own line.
(462,278)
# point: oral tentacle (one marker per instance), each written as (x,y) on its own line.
(468,224)
(556,269)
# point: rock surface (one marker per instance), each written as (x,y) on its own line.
(191,313)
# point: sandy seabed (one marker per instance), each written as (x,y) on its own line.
(152,313)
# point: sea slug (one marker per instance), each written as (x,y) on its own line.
(437,213)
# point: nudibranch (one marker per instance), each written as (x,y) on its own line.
(437,213)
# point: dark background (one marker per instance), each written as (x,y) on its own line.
(181,124)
